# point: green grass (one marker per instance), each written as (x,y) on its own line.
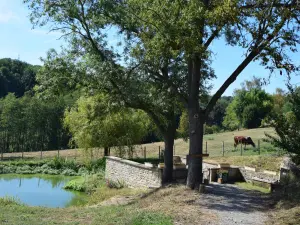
(249,186)
(215,142)
(13,213)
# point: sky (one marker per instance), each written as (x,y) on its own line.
(19,41)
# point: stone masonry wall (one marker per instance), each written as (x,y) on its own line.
(131,173)
(248,175)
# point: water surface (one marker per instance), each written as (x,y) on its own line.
(44,190)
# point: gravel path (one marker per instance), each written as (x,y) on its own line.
(233,205)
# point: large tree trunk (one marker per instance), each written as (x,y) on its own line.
(168,156)
(195,150)
(106,151)
(196,121)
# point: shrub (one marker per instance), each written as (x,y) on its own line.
(9,169)
(76,184)
(69,172)
(56,163)
(115,184)
(87,183)
(71,164)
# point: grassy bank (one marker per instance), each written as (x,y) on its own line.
(160,207)
(12,213)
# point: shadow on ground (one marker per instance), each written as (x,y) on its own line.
(228,197)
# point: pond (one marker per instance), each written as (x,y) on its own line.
(43,190)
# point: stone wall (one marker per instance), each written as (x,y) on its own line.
(131,173)
(248,174)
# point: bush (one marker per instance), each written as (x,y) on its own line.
(115,184)
(69,172)
(56,163)
(208,130)
(87,183)
(76,184)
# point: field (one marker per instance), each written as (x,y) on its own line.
(214,147)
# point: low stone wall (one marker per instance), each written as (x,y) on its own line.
(131,173)
(248,174)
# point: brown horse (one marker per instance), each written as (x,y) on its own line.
(243,140)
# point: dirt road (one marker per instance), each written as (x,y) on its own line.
(233,205)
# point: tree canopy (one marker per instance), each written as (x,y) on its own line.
(16,77)
(249,107)
(95,124)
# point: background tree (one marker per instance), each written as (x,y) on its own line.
(16,77)
(30,124)
(216,116)
(231,121)
(287,127)
(249,107)
(94,123)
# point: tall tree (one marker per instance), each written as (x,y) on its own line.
(249,107)
(94,123)
(184,30)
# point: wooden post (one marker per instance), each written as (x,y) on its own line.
(241,149)
(174,150)
(22,154)
(258,146)
(159,153)
(41,154)
(223,148)
(206,147)
(145,156)
(1,154)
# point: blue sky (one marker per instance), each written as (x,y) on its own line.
(19,40)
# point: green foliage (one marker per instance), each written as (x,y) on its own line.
(183,129)
(30,124)
(87,183)
(16,77)
(216,116)
(248,108)
(231,121)
(94,123)
(55,166)
(287,127)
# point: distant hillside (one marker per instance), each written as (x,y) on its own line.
(16,77)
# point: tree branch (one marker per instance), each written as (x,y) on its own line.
(256,50)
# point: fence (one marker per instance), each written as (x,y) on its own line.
(155,151)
